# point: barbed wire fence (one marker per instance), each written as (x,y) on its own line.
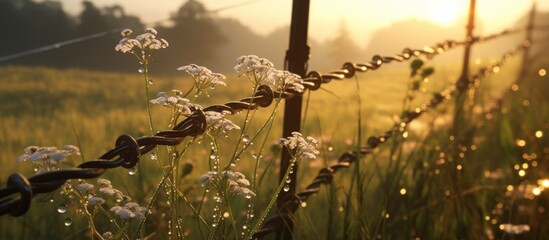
(15,198)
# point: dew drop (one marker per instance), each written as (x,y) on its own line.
(132,171)
(286,188)
(289,180)
(244,227)
(233,164)
(68,222)
(150,81)
(154,157)
(141,70)
(62,208)
(245,138)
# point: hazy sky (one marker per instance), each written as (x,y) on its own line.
(361,16)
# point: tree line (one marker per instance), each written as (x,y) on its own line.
(196,35)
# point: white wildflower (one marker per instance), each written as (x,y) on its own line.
(253,66)
(283,80)
(207,177)
(112,192)
(304,148)
(49,155)
(203,77)
(84,187)
(146,42)
(104,182)
(72,149)
(243,182)
(93,200)
(169,101)
(126,32)
(123,213)
(151,30)
(229,175)
(243,192)
(514,229)
(136,209)
(218,122)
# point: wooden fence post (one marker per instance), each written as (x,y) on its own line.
(527,43)
(296,62)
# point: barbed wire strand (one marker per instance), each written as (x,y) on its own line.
(127,150)
(326,175)
(191,126)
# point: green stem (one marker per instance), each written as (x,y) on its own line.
(273,200)
(147,98)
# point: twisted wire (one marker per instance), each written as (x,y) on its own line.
(348,70)
(127,149)
(325,175)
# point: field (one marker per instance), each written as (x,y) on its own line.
(419,184)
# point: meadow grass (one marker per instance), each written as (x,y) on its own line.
(49,107)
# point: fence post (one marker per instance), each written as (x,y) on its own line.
(463,81)
(527,43)
(460,118)
(296,62)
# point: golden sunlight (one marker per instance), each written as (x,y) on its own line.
(444,13)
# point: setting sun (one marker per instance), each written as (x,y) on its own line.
(444,13)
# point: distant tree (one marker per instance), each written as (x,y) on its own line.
(194,38)
(192,9)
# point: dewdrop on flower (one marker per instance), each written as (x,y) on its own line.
(304,148)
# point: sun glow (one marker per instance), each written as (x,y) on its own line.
(444,13)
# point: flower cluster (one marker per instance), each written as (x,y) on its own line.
(105,190)
(262,71)
(254,67)
(217,121)
(176,102)
(129,210)
(236,181)
(304,148)
(145,42)
(203,77)
(47,158)
(283,80)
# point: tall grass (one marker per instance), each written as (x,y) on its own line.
(417,185)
